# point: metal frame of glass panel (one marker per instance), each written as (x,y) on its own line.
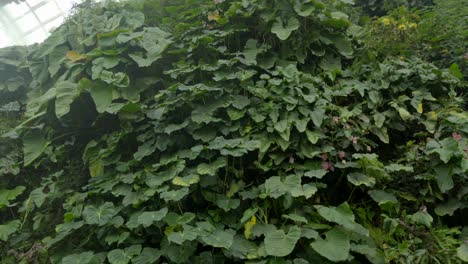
(12,28)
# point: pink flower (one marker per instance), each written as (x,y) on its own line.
(456,136)
(341,154)
(354,139)
(336,119)
(324,156)
(326,165)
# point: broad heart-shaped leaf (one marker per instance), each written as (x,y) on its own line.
(379,119)
(189,233)
(422,218)
(174,195)
(147,256)
(279,244)
(295,217)
(357,179)
(79,258)
(382,133)
(145,150)
(343,45)
(34,143)
(66,93)
(120,256)
(220,238)
(462,252)
(9,228)
(444,177)
(446,149)
(186,181)
(276,187)
(317,117)
(448,208)
(148,218)
(211,168)
(382,197)
(343,216)
(284,30)
(101,215)
(7,195)
(335,247)
(243,249)
(153,40)
(101,93)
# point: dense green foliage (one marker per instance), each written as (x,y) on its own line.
(201,131)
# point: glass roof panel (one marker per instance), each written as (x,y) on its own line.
(30,21)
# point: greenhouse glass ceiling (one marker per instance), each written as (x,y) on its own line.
(30,21)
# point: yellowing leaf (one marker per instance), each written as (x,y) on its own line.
(432,115)
(186,181)
(248,227)
(420,108)
(233,189)
(213,16)
(96,168)
(75,56)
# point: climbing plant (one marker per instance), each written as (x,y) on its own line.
(204,131)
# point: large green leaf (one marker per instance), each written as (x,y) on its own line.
(99,215)
(153,40)
(335,246)
(280,244)
(8,195)
(357,179)
(276,187)
(284,29)
(148,218)
(220,238)
(444,177)
(343,216)
(34,144)
(147,256)
(123,256)
(382,197)
(462,252)
(9,228)
(102,95)
(175,195)
(189,233)
(79,258)
(66,93)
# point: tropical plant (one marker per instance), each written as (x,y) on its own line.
(201,131)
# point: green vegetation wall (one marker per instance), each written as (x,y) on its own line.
(260,131)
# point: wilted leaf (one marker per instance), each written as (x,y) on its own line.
(248,227)
(75,56)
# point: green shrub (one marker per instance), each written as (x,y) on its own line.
(233,131)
